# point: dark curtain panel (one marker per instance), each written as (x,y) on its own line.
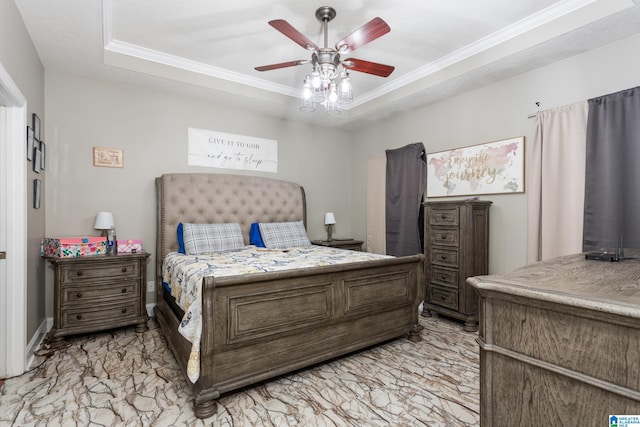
(612,186)
(405,182)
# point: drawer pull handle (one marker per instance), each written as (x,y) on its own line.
(78,316)
(79,294)
(124,269)
(124,290)
(124,310)
(79,273)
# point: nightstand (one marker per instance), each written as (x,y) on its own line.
(351,244)
(99,292)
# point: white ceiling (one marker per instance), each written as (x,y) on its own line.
(208,49)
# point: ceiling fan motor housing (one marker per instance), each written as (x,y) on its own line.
(325,13)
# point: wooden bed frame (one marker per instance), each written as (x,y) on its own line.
(259,326)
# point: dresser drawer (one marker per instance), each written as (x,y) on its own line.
(446,216)
(443,297)
(112,271)
(78,317)
(448,257)
(444,236)
(88,294)
(444,276)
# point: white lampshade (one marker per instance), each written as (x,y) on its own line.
(329,218)
(104,221)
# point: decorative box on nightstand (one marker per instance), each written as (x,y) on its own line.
(351,244)
(99,292)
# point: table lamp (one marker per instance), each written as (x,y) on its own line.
(104,222)
(329,220)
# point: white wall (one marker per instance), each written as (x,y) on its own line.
(493,113)
(151,128)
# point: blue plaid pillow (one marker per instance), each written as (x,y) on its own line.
(282,235)
(206,238)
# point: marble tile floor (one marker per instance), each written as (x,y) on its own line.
(121,378)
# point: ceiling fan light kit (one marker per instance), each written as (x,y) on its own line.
(329,84)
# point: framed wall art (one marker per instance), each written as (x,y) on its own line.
(37,190)
(43,152)
(36,126)
(108,157)
(30,139)
(491,168)
(37,159)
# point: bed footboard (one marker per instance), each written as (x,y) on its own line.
(265,325)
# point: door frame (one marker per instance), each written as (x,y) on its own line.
(13,227)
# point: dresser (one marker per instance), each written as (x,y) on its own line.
(98,292)
(560,343)
(456,246)
(351,244)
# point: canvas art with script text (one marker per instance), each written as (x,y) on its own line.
(491,168)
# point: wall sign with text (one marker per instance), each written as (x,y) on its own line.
(224,150)
(491,168)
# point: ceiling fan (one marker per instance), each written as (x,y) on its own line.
(326,55)
(326,61)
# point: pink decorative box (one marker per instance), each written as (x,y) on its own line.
(72,247)
(129,246)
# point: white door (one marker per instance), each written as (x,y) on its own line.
(13,231)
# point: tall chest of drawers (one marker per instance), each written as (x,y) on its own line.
(99,292)
(456,246)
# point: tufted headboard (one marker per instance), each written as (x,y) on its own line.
(209,198)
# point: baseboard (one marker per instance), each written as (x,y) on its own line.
(36,340)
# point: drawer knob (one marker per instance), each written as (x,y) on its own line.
(443,257)
(79,273)
(444,237)
(124,290)
(444,216)
(124,310)
(443,277)
(78,316)
(124,269)
(79,294)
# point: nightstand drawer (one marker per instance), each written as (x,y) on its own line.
(444,276)
(448,217)
(448,257)
(87,294)
(111,271)
(444,236)
(79,317)
(443,297)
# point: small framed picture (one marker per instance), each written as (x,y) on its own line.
(36,126)
(37,190)
(37,161)
(43,152)
(108,157)
(30,139)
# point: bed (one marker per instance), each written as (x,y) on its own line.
(258,326)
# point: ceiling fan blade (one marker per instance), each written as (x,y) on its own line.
(287,29)
(368,67)
(365,34)
(282,65)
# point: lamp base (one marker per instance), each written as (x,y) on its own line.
(329,232)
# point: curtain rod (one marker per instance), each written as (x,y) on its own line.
(531,116)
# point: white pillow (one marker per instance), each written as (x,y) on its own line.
(205,238)
(282,235)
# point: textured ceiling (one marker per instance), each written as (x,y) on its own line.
(209,49)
